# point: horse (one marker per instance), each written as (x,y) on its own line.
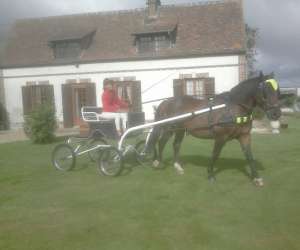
(222,125)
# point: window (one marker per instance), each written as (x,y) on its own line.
(201,88)
(30,83)
(194,87)
(130,91)
(67,49)
(71,81)
(35,95)
(84,80)
(43,82)
(129,78)
(153,43)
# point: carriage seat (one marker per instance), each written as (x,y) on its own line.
(92,116)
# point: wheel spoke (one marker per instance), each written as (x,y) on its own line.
(63,157)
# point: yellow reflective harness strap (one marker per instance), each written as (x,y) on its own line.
(273,83)
(244,119)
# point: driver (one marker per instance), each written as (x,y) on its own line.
(114,107)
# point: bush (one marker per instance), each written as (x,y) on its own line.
(40,124)
(4,121)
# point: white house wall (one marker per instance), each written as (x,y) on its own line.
(156,77)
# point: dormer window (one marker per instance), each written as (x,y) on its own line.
(153,43)
(67,49)
(155,39)
(71,47)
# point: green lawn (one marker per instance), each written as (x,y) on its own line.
(41,208)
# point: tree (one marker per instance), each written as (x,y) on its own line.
(251,52)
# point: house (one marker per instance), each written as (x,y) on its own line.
(150,53)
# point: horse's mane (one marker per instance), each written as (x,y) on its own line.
(244,89)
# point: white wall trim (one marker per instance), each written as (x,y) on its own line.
(120,71)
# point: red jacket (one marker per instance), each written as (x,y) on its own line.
(111,102)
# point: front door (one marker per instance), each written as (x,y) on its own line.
(79,100)
(74,97)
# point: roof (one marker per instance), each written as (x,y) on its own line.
(210,28)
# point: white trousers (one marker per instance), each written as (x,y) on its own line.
(120,118)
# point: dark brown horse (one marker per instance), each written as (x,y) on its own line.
(232,122)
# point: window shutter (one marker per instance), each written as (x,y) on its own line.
(34,95)
(178,85)
(45,94)
(67,102)
(209,87)
(136,94)
(27,97)
(91,94)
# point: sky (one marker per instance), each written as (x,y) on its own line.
(278,21)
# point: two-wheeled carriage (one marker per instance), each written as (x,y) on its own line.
(109,158)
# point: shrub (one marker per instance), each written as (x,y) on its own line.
(4,121)
(40,124)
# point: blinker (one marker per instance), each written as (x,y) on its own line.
(273,83)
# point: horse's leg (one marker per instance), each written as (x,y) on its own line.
(245,141)
(179,135)
(218,145)
(161,145)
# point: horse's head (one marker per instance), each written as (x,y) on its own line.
(268,96)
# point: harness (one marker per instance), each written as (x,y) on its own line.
(228,118)
(243,119)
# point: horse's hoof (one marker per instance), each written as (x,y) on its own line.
(178,168)
(155,164)
(259,182)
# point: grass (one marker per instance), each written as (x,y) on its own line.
(41,208)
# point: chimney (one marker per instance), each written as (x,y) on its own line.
(153,8)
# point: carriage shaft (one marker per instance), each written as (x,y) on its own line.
(168,120)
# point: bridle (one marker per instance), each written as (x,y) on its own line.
(261,96)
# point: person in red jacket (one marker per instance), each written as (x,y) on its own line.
(114,107)
(111,101)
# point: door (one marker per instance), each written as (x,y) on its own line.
(79,100)
(74,97)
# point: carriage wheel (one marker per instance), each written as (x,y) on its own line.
(63,157)
(95,154)
(110,162)
(141,156)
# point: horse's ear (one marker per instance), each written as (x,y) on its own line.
(261,76)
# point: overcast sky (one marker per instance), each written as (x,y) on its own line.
(278,22)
